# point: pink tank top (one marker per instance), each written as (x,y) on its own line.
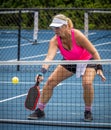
(76,53)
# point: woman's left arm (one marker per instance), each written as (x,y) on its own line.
(83,41)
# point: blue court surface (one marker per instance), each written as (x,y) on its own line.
(65,110)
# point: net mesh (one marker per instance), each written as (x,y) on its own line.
(65,108)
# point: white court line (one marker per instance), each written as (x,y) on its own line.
(26,44)
(104,50)
(74,104)
(81,84)
(8,99)
(29,57)
(22,95)
(101,44)
(7,47)
(92,33)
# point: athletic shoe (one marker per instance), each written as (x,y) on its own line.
(36,115)
(88,116)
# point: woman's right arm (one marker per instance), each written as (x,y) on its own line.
(53,47)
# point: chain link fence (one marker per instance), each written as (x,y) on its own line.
(21,29)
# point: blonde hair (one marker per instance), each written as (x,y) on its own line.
(63,17)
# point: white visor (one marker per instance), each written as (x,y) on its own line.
(58,22)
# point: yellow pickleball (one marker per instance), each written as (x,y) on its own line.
(15,80)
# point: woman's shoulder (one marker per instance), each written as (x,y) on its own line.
(77,33)
(53,40)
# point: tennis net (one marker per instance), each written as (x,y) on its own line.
(66,106)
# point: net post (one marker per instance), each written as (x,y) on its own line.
(19,39)
(86,24)
(35,27)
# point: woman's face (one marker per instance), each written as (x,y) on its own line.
(60,31)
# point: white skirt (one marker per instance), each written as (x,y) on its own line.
(80,70)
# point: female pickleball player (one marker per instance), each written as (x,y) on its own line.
(73,45)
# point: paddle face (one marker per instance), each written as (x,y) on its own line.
(33,95)
(32,98)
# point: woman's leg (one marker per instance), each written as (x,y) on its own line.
(55,78)
(87,83)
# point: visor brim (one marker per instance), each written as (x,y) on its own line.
(55,25)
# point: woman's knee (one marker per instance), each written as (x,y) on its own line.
(87,84)
(51,83)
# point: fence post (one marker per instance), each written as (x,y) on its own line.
(86,24)
(19,39)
